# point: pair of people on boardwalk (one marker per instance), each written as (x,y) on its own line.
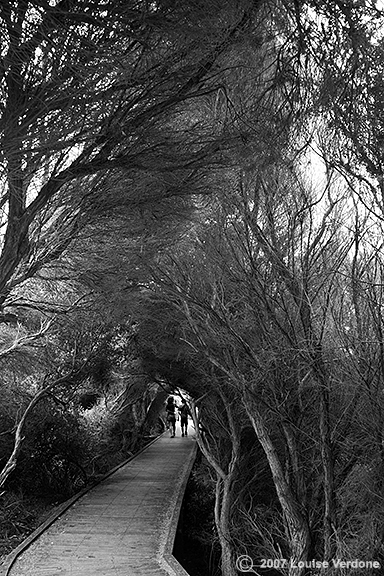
(170,409)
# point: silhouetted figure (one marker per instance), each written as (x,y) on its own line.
(184,413)
(170,409)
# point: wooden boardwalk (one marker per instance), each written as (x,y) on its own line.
(124,526)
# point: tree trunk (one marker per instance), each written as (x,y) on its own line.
(297,527)
(222,520)
(329,521)
(155,410)
(296,467)
(224,484)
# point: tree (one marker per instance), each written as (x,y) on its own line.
(255,292)
(166,346)
(180,194)
(91,95)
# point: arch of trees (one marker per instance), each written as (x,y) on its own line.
(192,197)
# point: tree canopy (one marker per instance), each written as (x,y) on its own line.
(192,199)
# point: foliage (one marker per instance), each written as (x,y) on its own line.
(19,517)
(53,454)
(161,224)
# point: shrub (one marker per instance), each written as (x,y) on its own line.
(53,453)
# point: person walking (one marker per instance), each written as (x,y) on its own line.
(170,409)
(184,413)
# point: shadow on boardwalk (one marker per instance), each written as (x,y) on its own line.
(124,526)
